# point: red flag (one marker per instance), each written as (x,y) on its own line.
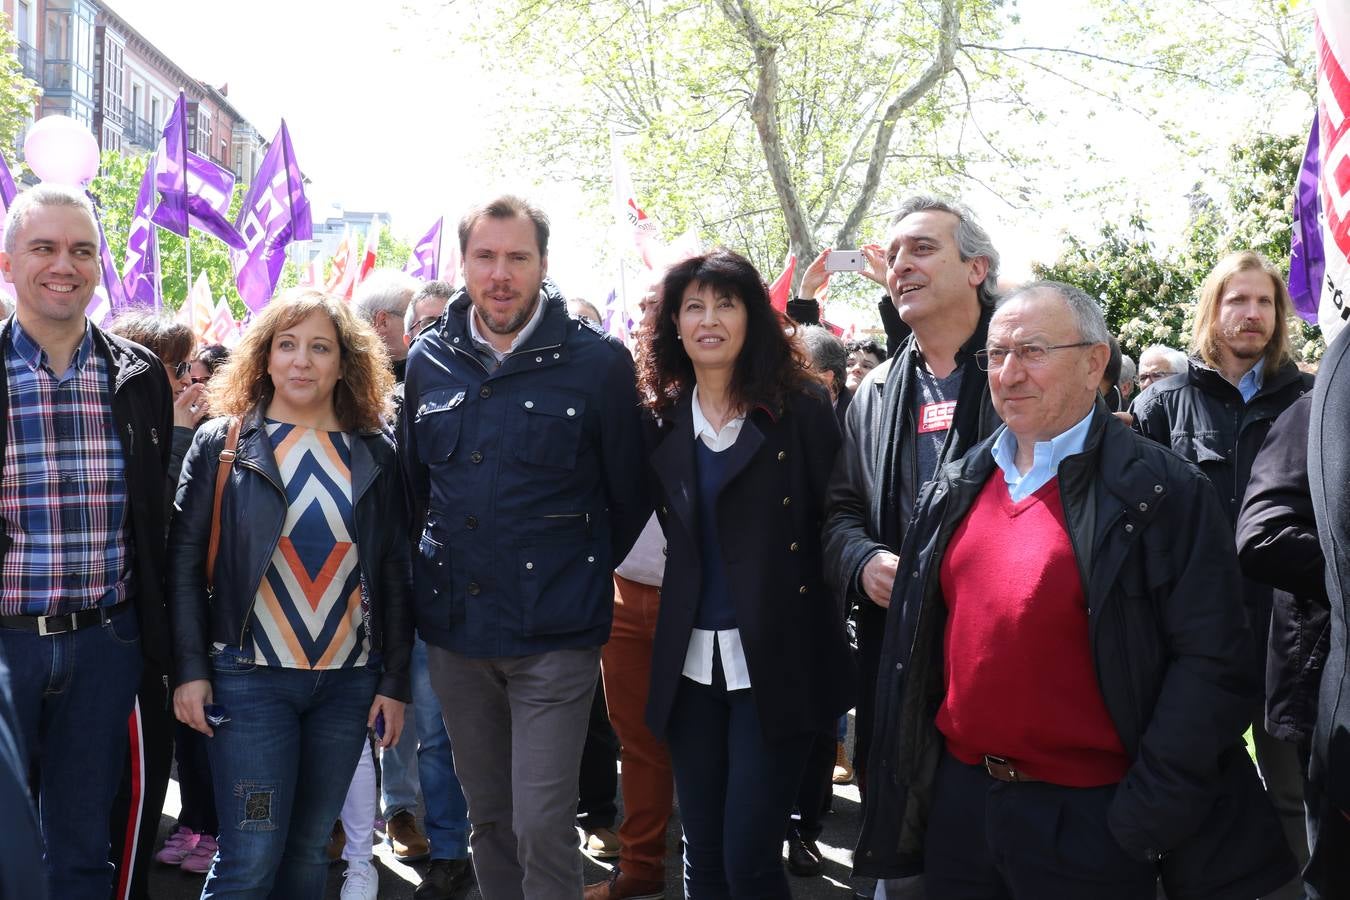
(372,248)
(781,289)
(340,255)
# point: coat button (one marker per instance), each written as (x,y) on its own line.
(793,546)
(529,404)
(470,521)
(571,411)
(485,391)
(475,457)
(782,455)
(1157,489)
(473,589)
(787,501)
(1143,507)
(529,565)
(1129,528)
(802,589)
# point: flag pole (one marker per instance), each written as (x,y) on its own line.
(187,255)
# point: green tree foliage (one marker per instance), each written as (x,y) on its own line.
(1148,294)
(18,94)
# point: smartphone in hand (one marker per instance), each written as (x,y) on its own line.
(845,261)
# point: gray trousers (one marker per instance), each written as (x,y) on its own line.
(517,726)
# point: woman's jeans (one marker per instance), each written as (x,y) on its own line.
(280,769)
(736,790)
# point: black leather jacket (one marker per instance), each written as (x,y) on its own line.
(252,512)
(1169,644)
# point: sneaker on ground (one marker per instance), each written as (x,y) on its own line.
(360,881)
(622,887)
(177,846)
(602,843)
(445,880)
(199,860)
(405,838)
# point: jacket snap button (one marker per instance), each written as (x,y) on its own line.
(793,546)
(486,392)
(1143,507)
(529,404)
(556,355)
(538,359)
(456,340)
(899,666)
(914,574)
(1129,528)
(571,411)
(475,457)
(787,501)
(1157,489)
(473,588)
(802,589)
(782,455)
(529,565)
(590,559)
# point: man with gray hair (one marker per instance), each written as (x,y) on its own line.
(382,299)
(82,512)
(915,411)
(1158,362)
(1065,675)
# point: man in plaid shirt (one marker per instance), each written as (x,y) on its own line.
(83,452)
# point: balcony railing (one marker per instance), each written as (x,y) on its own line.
(29,59)
(138,131)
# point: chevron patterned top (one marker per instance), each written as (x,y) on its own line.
(309,612)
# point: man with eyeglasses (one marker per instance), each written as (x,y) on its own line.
(1064,677)
(1158,362)
(924,406)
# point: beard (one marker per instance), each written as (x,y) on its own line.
(511,324)
(1240,349)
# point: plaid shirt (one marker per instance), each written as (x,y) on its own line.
(63,494)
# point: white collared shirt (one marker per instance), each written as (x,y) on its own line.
(698,659)
(521,336)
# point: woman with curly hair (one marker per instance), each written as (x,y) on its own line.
(292,636)
(750,659)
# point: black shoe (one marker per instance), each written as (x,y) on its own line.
(445,880)
(803,855)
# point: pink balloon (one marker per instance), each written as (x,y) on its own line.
(61,150)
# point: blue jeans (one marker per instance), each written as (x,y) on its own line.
(447,820)
(280,770)
(73,693)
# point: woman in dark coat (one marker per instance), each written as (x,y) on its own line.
(750,658)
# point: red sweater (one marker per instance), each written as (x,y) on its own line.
(1019,672)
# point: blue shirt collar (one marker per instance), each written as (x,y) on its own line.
(1045,461)
(35,357)
(1250,384)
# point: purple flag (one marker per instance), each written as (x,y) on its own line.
(108,296)
(7,190)
(274,213)
(1307,260)
(140,277)
(425,261)
(194,192)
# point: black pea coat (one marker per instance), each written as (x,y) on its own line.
(769,516)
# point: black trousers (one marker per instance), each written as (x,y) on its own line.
(598,781)
(989,840)
(816,788)
(145,780)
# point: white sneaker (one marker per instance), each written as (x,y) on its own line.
(360,881)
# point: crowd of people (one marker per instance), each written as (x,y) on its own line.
(1054,587)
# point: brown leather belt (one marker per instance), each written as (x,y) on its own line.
(61,624)
(1001,769)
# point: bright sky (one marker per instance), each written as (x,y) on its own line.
(385,116)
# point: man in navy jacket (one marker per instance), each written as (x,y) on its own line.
(522,445)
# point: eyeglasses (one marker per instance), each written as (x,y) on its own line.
(422,325)
(1033,356)
(1148,378)
(181,369)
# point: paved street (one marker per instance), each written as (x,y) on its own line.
(398,880)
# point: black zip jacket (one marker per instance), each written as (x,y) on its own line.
(1170,646)
(142,408)
(1277,545)
(252,512)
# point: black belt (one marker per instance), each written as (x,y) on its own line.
(85,618)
